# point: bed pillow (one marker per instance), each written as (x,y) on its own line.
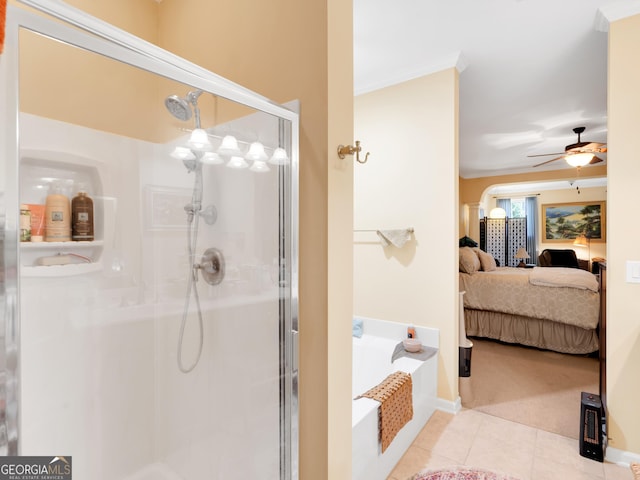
(469,261)
(487,262)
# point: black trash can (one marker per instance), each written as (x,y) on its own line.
(464,361)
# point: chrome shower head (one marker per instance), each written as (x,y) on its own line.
(178,107)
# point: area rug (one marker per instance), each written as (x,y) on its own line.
(461,473)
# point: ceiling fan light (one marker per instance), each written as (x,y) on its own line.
(579,159)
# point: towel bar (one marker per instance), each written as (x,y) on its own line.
(410,230)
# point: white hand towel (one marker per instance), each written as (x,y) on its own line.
(397,238)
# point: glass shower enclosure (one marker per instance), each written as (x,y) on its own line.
(165,347)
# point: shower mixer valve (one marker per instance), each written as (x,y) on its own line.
(211,266)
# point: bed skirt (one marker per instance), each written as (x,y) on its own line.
(533,332)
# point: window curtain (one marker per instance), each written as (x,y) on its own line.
(531,211)
(505,204)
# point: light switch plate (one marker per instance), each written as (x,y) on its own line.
(633,271)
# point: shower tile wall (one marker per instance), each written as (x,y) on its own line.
(98,363)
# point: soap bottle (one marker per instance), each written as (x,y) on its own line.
(25,223)
(411,332)
(82,216)
(57,216)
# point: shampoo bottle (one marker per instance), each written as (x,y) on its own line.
(57,216)
(82,216)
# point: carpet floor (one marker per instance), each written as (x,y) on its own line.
(533,387)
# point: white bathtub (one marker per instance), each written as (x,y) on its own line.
(371,364)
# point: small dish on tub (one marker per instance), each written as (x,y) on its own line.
(412,345)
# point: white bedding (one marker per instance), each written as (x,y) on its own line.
(563,277)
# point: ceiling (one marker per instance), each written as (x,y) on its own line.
(531,71)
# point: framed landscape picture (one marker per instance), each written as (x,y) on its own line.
(563,222)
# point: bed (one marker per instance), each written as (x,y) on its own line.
(552,308)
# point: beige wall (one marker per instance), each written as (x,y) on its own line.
(283,50)
(472,190)
(68,84)
(623,305)
(406,185)
(340,261)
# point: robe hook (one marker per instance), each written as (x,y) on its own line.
(350,150)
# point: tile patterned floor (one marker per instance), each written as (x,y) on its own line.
(476,439)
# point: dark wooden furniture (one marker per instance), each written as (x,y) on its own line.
(593,408)
(602,334)
(551,257)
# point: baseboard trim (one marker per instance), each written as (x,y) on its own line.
(448,405)
(621,457)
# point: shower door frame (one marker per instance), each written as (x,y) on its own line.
(104,39)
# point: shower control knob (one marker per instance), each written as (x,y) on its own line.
(212,266)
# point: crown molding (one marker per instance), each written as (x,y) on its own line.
(457,61)
(615,11)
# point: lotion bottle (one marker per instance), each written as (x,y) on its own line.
(82,216)
(57,216)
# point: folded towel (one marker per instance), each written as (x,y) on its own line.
(396,405)
(397,238)
(357,327)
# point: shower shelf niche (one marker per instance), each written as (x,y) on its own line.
(31,251)
(38,169)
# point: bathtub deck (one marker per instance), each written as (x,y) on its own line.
(371,365)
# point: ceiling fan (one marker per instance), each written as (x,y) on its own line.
(577,154)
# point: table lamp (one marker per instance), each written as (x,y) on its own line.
(522,254)
(583,240)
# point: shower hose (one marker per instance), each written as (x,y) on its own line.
(192,238)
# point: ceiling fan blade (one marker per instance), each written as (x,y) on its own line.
(595,146)
(595,160)
(549,161)
(546,154)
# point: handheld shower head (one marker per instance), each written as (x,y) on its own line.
(178,107)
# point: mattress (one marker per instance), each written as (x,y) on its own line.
(509,290)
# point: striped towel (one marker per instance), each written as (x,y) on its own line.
(396,405)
